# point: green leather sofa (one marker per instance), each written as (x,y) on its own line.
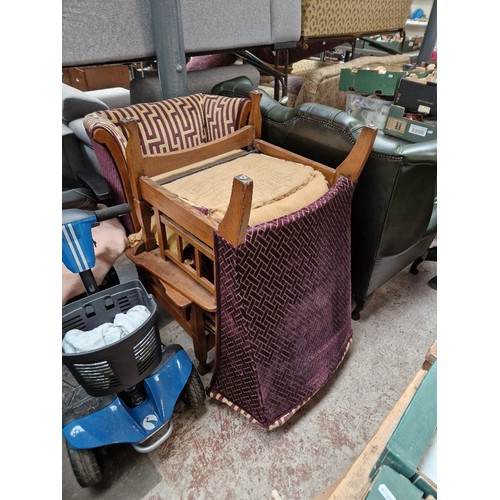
(394,210)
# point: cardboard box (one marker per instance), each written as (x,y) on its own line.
(390,485)
(371,81)
(409,130)
(410,45)
(417,97)
(376,79)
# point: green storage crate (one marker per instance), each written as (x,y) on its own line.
(390,485)
(370,81)
(426,475)
(415,430)
(383,81)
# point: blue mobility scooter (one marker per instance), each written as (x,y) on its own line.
(126,391)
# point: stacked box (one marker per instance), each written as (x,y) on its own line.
(406,128)
(417,97)
(378,80)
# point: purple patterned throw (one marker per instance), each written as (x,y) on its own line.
(284,309)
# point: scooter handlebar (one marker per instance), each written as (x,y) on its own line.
(112,212)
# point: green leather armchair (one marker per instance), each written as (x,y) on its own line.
(394,211)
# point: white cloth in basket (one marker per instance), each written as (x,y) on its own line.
(124,324)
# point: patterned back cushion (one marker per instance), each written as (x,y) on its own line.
(221,115)
(342,17)
(165,126)
(172,124)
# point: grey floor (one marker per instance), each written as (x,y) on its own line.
(215,453)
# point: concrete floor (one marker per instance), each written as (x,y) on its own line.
(217,454)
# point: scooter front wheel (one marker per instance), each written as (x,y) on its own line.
(194,392)
(85,465)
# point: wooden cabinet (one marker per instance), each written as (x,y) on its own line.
(97,77)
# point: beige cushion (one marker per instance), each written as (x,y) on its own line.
(280,187)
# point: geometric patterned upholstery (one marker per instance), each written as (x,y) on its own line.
(284,309)
(323,18)
(173,124)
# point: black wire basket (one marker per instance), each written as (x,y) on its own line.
(124,363)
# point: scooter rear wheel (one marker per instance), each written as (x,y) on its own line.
(85,465)
(194,392)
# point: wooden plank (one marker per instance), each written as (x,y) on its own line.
(325,493)
(175,278)
(158,164)
(356,482)
(97,77)
(188,217)
(277,152)
(431,356)
(180,300)
(233,226)
(353,165)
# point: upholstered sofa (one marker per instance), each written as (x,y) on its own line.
(126,31)
(394,210)
(95,32)
(327,18)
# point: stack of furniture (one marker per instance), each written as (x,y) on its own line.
(394,211)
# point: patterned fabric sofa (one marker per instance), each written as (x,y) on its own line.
(326,24)
(327,18)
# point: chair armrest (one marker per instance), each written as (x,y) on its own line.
(95,182)
(76,104)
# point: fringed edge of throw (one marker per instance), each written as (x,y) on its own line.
(213,393)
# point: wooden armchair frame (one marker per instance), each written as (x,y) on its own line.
(181,285)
